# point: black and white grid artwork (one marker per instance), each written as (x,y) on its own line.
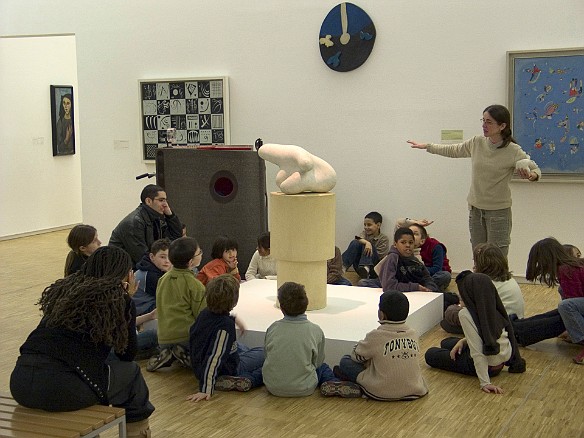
(197,108)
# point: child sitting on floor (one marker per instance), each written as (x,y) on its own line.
(385,364)
(149,270)
(334,270)
(83,241)
(180,298)
(218,360)
(490,260)
(224,254)
(401,270)
(294,349)
(489,341)
(262,264)
(365,251)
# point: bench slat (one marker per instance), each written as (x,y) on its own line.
(47,431)
(47,421)
(20,422)
(80,417)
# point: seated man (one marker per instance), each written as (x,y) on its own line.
(152,220)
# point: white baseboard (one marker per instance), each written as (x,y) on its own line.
(34,233)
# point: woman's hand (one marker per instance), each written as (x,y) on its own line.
(457,349)
(198,397)
(423,288)
(528,174)
(416,145)
(492,389)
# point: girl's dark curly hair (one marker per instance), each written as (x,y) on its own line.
(93,300)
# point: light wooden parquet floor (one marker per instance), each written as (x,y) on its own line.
(544,401)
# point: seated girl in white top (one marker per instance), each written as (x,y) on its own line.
(262,264)
(489,343)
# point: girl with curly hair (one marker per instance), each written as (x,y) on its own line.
(65,364)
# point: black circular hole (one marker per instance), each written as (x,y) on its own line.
(223,186)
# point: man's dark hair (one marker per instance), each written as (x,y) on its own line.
(150,191)
(292,298)
(181,251)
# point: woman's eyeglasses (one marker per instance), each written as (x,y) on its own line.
(488,122)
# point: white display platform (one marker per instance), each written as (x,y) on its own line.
(351,313)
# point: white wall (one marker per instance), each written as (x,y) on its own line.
(38,191)
(435,66)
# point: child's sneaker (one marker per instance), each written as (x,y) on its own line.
(231,383)
(161,360)
(181,354)
(362,271)
(580,358)
(340,388)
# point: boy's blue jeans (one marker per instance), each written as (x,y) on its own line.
(250,364)
(572,313)
(355,257)
(350,368)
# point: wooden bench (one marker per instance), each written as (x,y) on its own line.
(19,422)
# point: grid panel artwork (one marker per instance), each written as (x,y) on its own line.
(197,108)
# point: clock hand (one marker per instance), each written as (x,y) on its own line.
(345,37)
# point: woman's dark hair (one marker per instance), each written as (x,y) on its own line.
(93,300)
(502,115)
(292,298)
(108,262)
(545,258)
(490,260)
(181,251)
(222,294)
(264,240)
(222,244)
(61,109)
(80,235)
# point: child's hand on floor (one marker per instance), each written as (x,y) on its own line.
(199,396)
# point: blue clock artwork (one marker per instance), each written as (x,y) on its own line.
(346,37)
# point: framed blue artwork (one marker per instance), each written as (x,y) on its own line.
(547,108)
(346,37)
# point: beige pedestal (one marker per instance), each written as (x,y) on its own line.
(302,239)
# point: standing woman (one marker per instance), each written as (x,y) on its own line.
(65,363)
(495,156)
(65,134)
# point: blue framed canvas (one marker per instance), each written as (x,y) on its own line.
(547,108)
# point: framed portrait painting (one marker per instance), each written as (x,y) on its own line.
(62,120)
(547,108)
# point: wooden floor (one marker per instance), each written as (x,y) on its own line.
(544,401)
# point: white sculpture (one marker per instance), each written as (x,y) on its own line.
(300,171)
